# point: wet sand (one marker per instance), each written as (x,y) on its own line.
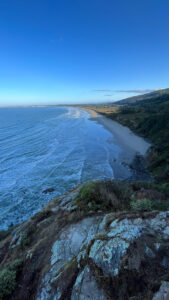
(121,133)
(133,147)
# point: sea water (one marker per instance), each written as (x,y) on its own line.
(48,147)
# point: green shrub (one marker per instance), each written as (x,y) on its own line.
(15,265)
(89,198)
(25,241)
(141,204)
(42,215)
(88,191)
(8,278)
(7,282)
(161,206)
(103,196)
(164,188)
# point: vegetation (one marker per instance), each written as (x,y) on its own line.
(141,204)
(42,215)
(8,278)
(149,117)
(155,96)
(103,196)
(89,198)
(119,196)
(5,233)
(34,240)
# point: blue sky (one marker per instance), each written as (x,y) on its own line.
(74,51)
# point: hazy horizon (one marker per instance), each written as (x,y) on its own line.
(67,103)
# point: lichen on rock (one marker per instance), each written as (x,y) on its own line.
(72,255)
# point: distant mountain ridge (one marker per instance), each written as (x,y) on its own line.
(154,96)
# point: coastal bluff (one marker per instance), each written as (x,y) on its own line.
(102,240)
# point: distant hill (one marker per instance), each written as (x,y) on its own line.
(160,95)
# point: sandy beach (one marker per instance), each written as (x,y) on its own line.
(133,147)
(123,135)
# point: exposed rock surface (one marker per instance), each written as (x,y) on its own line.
(49,190)
(106,253)
(71,255)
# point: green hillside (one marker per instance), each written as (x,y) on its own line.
(149,118)
(153,96)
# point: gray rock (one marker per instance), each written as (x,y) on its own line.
(86,287)
(108,254)
(72,239)
(163,293)
(111,246)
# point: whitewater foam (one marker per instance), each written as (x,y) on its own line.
(44,147)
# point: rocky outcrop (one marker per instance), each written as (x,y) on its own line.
(108,258)
(68,254)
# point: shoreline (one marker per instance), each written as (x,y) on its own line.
(122,134)
(133,147)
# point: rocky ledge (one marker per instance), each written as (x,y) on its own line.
(69,252)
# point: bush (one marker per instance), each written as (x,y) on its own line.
(103,196)
(141,204)
(7,282)
(8,278)
(25,241)
(89,198)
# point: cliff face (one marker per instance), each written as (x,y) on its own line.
(65,252)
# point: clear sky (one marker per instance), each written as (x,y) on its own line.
(81,51)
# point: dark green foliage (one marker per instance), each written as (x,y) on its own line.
(7,282)
(103,196)
(119,196)
(89,198)
(148,205)
(141,205)
(161,206)
(8,278)
(42,215)
(4,234)
(156,96)
(163,187)
(26,236)
(150,118)
(25,241)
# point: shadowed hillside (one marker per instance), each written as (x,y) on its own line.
(149,117)
(160,95)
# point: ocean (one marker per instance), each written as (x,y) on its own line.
(48,147)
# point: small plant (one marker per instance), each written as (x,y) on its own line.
(7,282)
(89,198)
(88,191)
(161,206)
(8,278)
(103,196)
(42,215)
(141,204)
(25,240)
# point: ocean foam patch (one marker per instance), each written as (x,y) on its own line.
(49,147)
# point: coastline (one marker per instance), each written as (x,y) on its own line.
(133,147)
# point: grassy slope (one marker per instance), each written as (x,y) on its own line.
(150,119)
(146,97)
